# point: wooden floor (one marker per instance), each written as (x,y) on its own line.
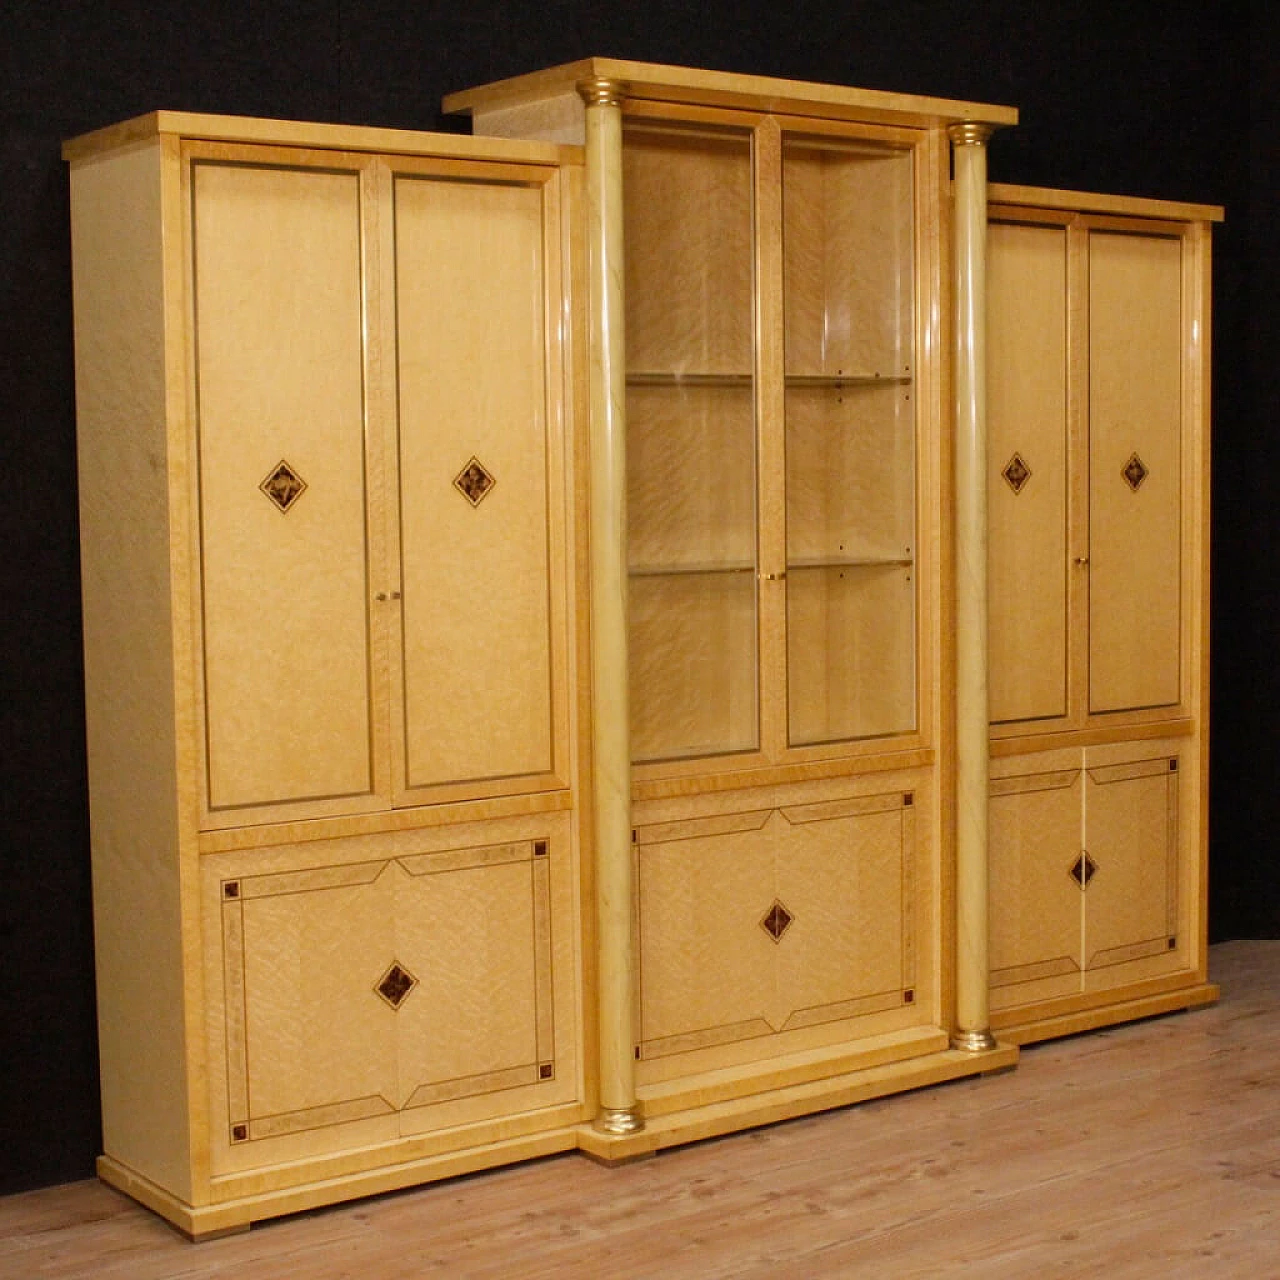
(1148,1150)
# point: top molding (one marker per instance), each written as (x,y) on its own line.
(1093,202)
(327,137)
(653,82)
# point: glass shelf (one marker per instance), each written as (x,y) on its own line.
(682,379)
(839,381)
(688,570)
(853,562)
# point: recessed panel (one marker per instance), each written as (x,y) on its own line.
(280,407)
(1027,472)
(473,500)
(1135,470)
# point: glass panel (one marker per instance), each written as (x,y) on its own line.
(850,421)
(691,455)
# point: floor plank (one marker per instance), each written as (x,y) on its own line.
(1150,1150)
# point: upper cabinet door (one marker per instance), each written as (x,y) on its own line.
(380,397)
(773,412)
(482,694)
(1028,476)
(848,235)
(691,441)
(1135,469)
(279,319)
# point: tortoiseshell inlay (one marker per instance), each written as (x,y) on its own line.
(1083,870)
(777,921)
(1016,473)
(474,482)
(395,985)
(1135,472)
(284,486)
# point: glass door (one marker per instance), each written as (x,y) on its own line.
(849,315)
(691,441)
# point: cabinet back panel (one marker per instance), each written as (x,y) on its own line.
(848,240)
(1027,420)
(689,252)
(280,381)
(1135,407)
(471,281)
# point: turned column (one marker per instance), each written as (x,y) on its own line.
(973,1024)
(615,947)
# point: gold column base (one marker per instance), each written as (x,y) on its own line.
(974,1041)
(619,1121)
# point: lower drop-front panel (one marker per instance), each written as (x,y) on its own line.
(780,920)
(367,991)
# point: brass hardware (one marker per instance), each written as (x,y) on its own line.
(1081,561)
(602,92)
(974,1041)
(619,1121)
(383,595)
(970,133)
(773,577)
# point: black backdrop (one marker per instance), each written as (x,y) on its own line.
(1167,99)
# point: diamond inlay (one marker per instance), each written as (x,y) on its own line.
(395,985)
(1016,473)
(474,482)
(1135,472)
(1083,870)
(777,921)
(284,486)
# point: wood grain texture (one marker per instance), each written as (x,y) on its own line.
(1135,413)
(278,342)
(479,656)
(126,469)
(1144,1151)
(1027,419)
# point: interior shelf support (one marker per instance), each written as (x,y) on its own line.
(973,1023)
(615,958)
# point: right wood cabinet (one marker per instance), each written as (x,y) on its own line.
(1098,313)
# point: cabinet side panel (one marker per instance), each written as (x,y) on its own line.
(1027,483)
(116,209)
(281,408)
(471,284)
(1135,471)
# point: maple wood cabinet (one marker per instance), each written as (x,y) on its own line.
(1099,329)
(325,384)
(666,615)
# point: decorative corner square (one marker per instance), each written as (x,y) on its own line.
(284,486)
(1016,473)
(474,482)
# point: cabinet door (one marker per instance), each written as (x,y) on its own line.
(357,1000)
(1028,480)
(1037,911)
(279,404)
(482,693)
(1135,470)
(767,929)
(1135,812)
(848,281)
(691,442)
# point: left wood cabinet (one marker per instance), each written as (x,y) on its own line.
(325,381)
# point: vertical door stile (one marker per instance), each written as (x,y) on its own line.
(771,468)
(382,489)
(1078,514)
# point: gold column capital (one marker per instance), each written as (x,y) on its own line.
(600,91)
(970,133)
